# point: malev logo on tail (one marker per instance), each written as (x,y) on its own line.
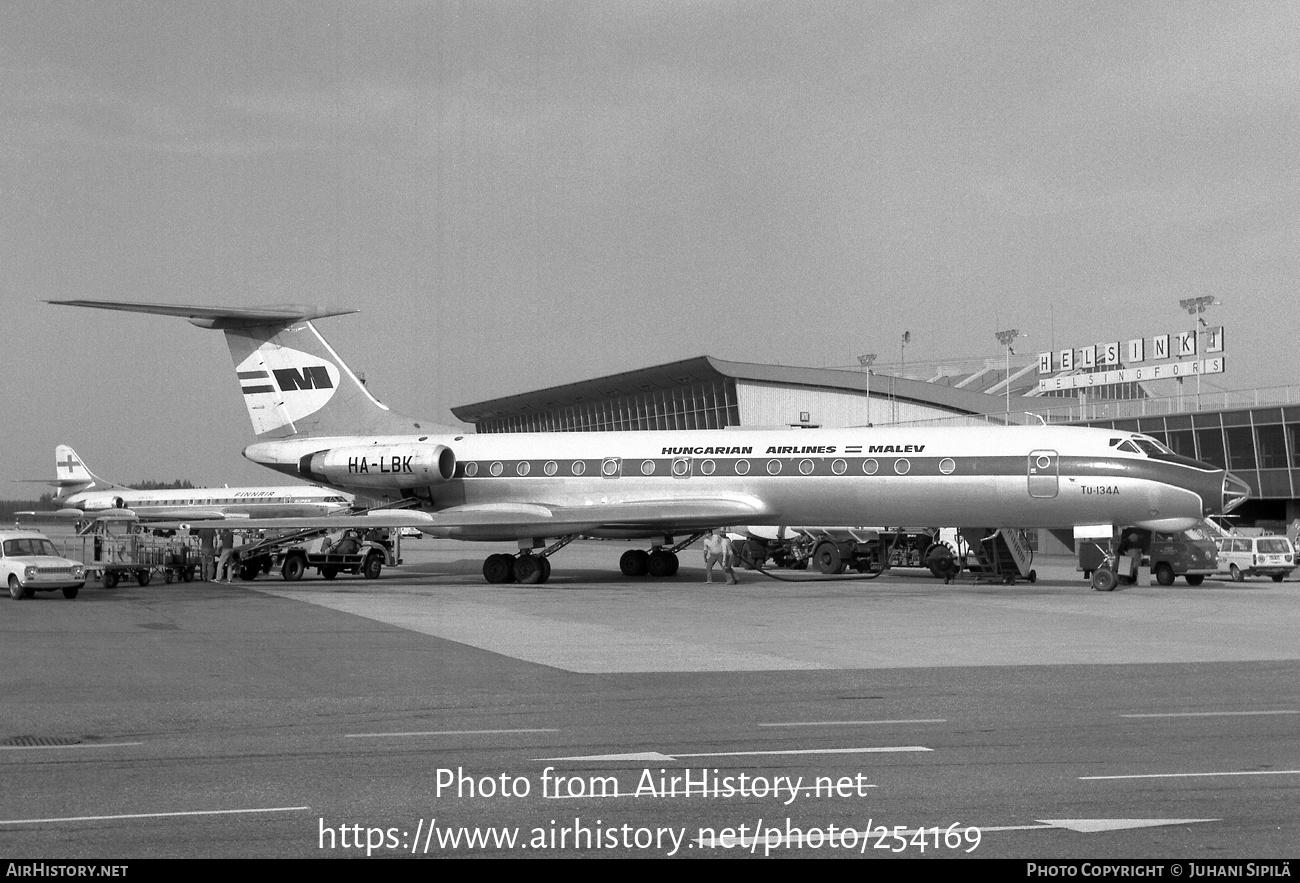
(282,385)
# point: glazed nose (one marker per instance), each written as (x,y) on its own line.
(1235,492)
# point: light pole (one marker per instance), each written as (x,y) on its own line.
(1194,307)
(1005,338)
(866,360)
(902,365)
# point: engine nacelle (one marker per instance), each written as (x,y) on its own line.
(381,466)
(98,502)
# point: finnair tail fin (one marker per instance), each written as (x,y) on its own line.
(71,475)
(293,382)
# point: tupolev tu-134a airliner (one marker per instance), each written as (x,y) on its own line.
(316,421)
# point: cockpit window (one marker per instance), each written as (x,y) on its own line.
(1128,446)
(1150,446)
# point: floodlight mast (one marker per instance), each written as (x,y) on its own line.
(1195,306)
(1006,338)
(866,360)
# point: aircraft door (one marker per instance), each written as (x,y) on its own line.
(1044,474)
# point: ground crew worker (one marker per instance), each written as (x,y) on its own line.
(1129,556)
(224,562)
(717,550)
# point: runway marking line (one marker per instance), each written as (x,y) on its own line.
(154,815)
(1079,826)
(809,751)
(1211,713)
(658,756)
(445,733)
(938,720)
(1198,775)
(78,745)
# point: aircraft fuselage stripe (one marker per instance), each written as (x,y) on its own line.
(800,467)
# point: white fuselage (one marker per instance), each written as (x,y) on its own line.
(1052,477)
(250,502)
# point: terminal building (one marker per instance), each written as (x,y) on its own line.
(1254,434)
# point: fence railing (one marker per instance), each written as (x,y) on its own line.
(1187,403)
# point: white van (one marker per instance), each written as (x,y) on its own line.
(1241,557)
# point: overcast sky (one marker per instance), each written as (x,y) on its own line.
(519,195)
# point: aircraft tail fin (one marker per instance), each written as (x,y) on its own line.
(294,383)
(71,475)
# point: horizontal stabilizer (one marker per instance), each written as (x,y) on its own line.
(215,316)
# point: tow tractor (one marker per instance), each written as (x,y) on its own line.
(330,551)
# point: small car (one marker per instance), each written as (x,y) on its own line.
(29,563)
(1240,557)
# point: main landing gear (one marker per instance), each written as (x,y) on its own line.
(533,567)
(526,567)
(639,562)
(658,562)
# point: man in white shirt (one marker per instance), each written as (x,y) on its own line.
(717,550)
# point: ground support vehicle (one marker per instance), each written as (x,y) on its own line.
(1190,554)
(830,549)
(136,554)
(834,550)
(30,563)
(1242,556)
(329,551)
(997,554)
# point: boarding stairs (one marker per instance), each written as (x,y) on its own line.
(1001,554)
